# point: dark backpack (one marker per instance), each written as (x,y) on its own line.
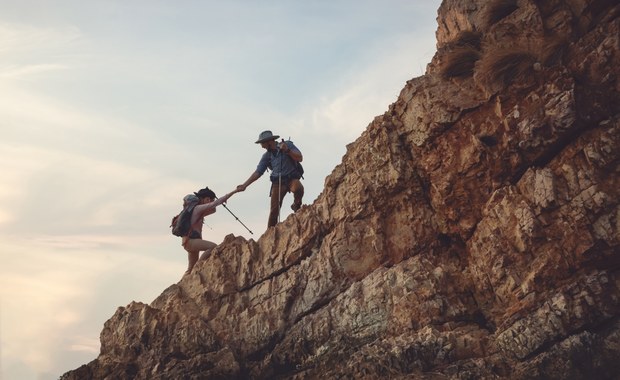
(182,222)
(299,170)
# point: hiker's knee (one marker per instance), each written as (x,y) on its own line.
(297,187)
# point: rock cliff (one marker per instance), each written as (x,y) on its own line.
(471,231)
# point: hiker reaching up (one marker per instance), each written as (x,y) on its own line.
(282,158)
(205,203)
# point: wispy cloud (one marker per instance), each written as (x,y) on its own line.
(106,125)
(367,91)
(16,72)
(48,190)
(17,38)
(51,298)
(85,344)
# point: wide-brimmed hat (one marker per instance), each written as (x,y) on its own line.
(266,136)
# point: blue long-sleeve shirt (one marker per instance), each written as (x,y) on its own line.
(280,163)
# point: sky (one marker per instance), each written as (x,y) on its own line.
(112,110)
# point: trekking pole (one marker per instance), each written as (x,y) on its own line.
(231,213)
(280,184)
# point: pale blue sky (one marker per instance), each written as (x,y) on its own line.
(111,111)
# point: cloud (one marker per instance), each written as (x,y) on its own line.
(84,344)
(82,168)
(51,303)
(367,91)
(19,38)
(69,190)
(83,242)
(33,300)
(15,72)
(53,124)
(106,125)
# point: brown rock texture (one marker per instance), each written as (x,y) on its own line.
(472,231)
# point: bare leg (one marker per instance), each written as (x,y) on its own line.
(192,258)
(193,247)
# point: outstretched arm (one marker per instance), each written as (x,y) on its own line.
(223,199)
(247,183)
(205,208)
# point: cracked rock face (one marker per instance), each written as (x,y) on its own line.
(472,231)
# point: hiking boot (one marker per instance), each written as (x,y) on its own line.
(296,206)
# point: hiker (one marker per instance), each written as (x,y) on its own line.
(282,158)
(206,202)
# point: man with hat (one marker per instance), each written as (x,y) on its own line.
(206,202)
(282,158)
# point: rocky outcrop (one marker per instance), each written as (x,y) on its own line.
(472,231)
